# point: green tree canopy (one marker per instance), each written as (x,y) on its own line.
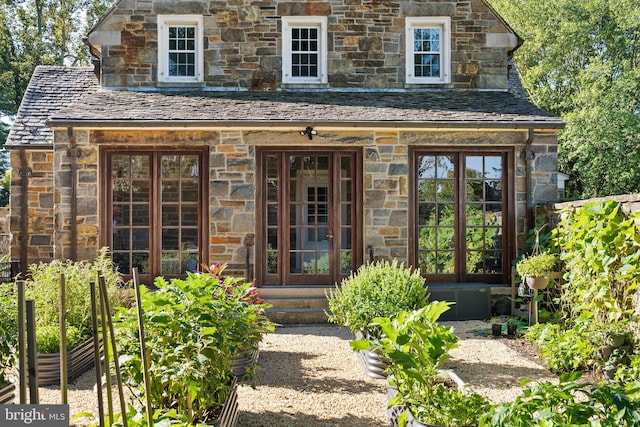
(580,61)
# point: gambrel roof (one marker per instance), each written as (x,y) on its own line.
(66,96)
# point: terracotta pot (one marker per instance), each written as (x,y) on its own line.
(537,282)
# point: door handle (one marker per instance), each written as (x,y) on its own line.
(330,236)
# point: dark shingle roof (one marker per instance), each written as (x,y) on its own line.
(65,96)
(50,89)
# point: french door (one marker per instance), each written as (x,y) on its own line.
(463,215)
(308,207)
(154,212)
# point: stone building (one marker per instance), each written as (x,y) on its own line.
(293,140)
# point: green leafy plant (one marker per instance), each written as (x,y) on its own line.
(8,330)
(569,403)
(193,330)
(48,338)
(537,265)
(378,289)
(43,286)
(416,346)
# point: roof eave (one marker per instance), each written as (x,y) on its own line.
(270,124)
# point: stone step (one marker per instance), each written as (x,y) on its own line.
(294,291)
(291,316)
(298,302)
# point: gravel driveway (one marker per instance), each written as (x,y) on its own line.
(310,377)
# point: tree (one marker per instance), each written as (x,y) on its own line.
(581,61)
(41,32)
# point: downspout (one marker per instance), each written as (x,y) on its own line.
(72,152)
(25,172)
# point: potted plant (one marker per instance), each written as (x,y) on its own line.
(421,394)
(378,289)
(8,341)
(43,286)
(496,327)
(535,269)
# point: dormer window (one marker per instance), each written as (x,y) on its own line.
(428,50)
(304,50)
(180,49)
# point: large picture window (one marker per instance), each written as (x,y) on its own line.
(155,212)
(180,48)
(462,218)
(428,43)
(304,49)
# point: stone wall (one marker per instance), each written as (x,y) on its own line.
(365,42)
(232,187)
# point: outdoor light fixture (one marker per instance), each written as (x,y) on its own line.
(309,132)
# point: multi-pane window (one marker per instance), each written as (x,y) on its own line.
(180,57)
(304,50)
(461,215)
(182,51)
(428,50)
(154,202)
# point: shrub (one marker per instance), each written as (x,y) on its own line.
(193,330)
(43,286)
(48,338)
(379,289)
(8,330)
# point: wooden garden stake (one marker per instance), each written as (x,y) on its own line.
(116,363)
(96,352)
(105,346)
(143,350)
(64,380)
(32,352)
(22,343)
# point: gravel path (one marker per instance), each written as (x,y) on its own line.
(310,377)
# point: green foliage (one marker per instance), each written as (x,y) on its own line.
(569,403)
(580,61)
(43,286)
(375,290)
(193,330)
(600,248)
(48,338)
(8,329)
(566,349)
(537,265)
(416,346)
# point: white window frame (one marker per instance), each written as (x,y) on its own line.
(166,21)
(288,24)
(444,25)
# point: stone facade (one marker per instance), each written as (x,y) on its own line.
(232,186)
(365,42)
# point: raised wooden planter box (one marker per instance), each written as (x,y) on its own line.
(7,394)
(79,360)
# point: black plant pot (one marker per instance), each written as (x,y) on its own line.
(512,328)
(496,329)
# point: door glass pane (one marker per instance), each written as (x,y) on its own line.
(484,214)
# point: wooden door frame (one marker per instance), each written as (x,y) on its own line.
(356,223)
(508,208)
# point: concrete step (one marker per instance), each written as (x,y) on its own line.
(291,316)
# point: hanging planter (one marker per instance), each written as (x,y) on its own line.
(535,269)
